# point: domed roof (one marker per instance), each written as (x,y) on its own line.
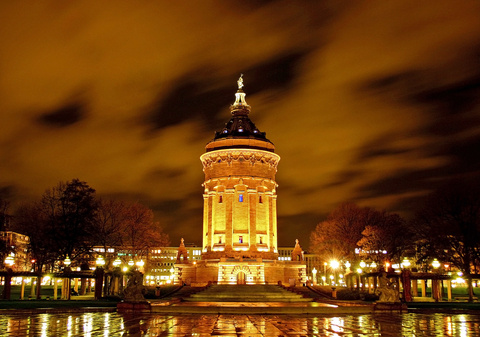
(240,128)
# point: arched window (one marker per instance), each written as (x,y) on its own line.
(240,197)
(220,199)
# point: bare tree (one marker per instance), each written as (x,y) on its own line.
(31,220)
(71,210)
(140,232)
(110,223)
(5,219)
(448,228)
(387,238)
(337,236)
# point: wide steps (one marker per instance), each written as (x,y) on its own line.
(246,293)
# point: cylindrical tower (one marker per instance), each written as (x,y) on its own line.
(239,212)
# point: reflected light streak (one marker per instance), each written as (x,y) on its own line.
(87,324)
(44,325)
(69,325)
(106,325)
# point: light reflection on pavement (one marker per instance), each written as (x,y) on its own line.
(115,324)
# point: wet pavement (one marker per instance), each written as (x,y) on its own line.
(115,324)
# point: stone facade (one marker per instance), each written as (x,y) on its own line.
(240,209)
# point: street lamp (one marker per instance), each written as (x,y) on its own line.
(362,264)
(314,273)
(405,263)
(9,260)
(435,264)
(140,263)
(117,262)
(67,262)
(100,262)
(334,264)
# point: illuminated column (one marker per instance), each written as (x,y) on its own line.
(424,287)
(414,288)
(449,290)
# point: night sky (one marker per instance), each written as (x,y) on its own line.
(375,102)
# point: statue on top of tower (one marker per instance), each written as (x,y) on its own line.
(240,82)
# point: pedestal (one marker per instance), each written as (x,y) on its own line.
(134,307)
(390,307)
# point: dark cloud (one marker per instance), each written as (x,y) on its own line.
(453,106)
(164,173)
(466,161)
(277,73)
(204,97)
(7,192)
(191,98)
(64,116)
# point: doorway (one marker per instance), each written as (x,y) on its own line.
(241,279)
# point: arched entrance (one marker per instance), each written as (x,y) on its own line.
(241,278)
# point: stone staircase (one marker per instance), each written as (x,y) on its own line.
(246,293)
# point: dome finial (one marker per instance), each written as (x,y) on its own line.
(240,82)
(240,106)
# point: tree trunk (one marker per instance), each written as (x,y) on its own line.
(470,288)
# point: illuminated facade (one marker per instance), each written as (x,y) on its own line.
(240,208)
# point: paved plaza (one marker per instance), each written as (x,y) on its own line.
(115,324)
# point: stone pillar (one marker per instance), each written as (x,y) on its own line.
(69,290)
(370,285)
(75,287)
(116,285)
(22,289)
(32,287)
(7,286)
(55,288)
(424,288)
(64,287)
(406,285)
(449,290)
(99,273)
(436,290)
(415,288)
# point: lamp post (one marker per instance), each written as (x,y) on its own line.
(314,274)
(435,264)
(99,274)
(67,282)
